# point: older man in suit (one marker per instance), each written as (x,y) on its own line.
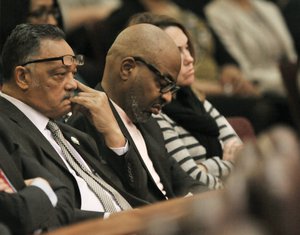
(139,78)
(39,68)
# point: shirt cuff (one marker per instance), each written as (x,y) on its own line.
(121,151)
(40,183)
(189,194)
(106,215)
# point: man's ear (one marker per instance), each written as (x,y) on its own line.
(22,77)
(127,67)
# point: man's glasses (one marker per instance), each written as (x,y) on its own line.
(67,60)
(166,83)
(44,12)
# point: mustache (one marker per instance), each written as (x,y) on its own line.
(162,102)
(69,95)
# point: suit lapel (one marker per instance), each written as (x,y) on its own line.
(126,133)
(155,153)
(17,117)
(151,149)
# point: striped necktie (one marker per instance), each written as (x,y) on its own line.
(101,189)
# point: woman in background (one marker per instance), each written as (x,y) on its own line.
(14,12)
(255,34)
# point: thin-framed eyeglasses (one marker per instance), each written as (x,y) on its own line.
(67,60)
(44,12)
(166,84)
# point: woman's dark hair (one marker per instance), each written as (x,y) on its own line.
(161,21)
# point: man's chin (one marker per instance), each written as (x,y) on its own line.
(142,117)
(62,113)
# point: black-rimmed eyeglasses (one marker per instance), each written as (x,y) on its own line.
(67,60)
(166,83)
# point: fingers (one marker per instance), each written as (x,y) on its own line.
(91,100)
(83,87)
(232,142)
(231,148)
(96,107)
(5,187)
(87,96)
(28,182)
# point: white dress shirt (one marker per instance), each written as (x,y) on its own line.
(141,146)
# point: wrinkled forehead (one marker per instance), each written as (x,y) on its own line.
(54,48)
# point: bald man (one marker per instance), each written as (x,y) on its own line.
(139,78)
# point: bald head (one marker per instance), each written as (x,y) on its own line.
(144,40)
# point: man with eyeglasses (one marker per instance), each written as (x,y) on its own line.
(39,86)
(139,78)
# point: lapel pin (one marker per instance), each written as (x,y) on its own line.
(75,140)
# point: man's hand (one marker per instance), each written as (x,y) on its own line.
(95,105)
(4,187)
(29,182)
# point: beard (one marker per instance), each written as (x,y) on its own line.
(138,115)
(133,105)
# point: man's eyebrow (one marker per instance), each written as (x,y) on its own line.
(58,67)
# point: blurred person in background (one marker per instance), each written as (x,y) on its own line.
(290,10)
(14,12)
(255,34)
(78,13)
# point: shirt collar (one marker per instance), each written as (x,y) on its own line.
(38,119)
(122,114)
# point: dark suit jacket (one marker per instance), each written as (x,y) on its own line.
(29,209)
(37,146)
(131,168)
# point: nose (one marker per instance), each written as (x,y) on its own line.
(71,83)
(187,57)
(167,97)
